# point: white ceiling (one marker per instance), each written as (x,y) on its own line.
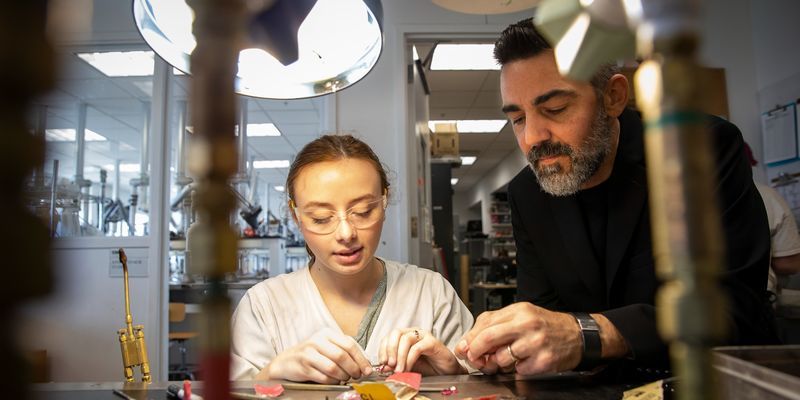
(470,95)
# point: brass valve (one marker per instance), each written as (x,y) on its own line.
(131,338)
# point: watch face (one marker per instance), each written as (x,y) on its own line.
(586,322)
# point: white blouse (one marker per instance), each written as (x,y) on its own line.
(281,312)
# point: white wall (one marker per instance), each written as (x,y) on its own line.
(376,109)
(775,33)
(777,60)
(78,324)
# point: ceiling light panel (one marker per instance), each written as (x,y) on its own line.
(258,130)
(266,164)
(68,135)
(460,57)
(121,63)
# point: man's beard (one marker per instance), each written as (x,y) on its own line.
(585,159)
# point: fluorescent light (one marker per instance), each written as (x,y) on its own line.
(453,181)
(121,63)
(68,135)
(472,125)
(263,164)
(279,188)
(267,129)
(461,57)
(123,167)
(468,160)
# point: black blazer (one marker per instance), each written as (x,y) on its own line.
(557,268)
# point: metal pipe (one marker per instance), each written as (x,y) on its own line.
(251,196)
(134,203)
(176,202)
(267,206)
(80,139)
(115,190)
(180,167)
(144,154)
(101,202)
(219,29)
(182,181)
(144,159)
(39,131)
(241,180)
(687,232)
(83,184)
(242,140)
(53,189)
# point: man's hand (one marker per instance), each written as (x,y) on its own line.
(327,357)
(522,335)
(417,350)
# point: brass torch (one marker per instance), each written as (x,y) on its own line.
(131,338)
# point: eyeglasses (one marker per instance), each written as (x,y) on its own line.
(323,221)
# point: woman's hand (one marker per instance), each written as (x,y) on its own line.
(326,357)
(417,350)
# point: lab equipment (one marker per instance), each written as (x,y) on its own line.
(131,338)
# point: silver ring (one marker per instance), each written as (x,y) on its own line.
(416,334)
(511,354)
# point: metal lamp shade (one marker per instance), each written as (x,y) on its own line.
(294,49)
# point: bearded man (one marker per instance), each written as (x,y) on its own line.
(586,276)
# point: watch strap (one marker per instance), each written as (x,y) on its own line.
(592,345)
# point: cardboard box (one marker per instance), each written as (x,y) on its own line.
(444,140)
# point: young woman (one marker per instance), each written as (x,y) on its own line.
(349,312)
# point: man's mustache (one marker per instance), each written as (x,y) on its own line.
(548,149)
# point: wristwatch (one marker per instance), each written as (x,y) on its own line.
(592,345)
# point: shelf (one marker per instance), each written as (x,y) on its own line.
(501,228)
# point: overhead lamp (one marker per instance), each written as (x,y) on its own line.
(268,164)
(472,125)
(279,188)
(468,160)
(486,6)
(464,57)
(294,48)
(453,181)
(585,34)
